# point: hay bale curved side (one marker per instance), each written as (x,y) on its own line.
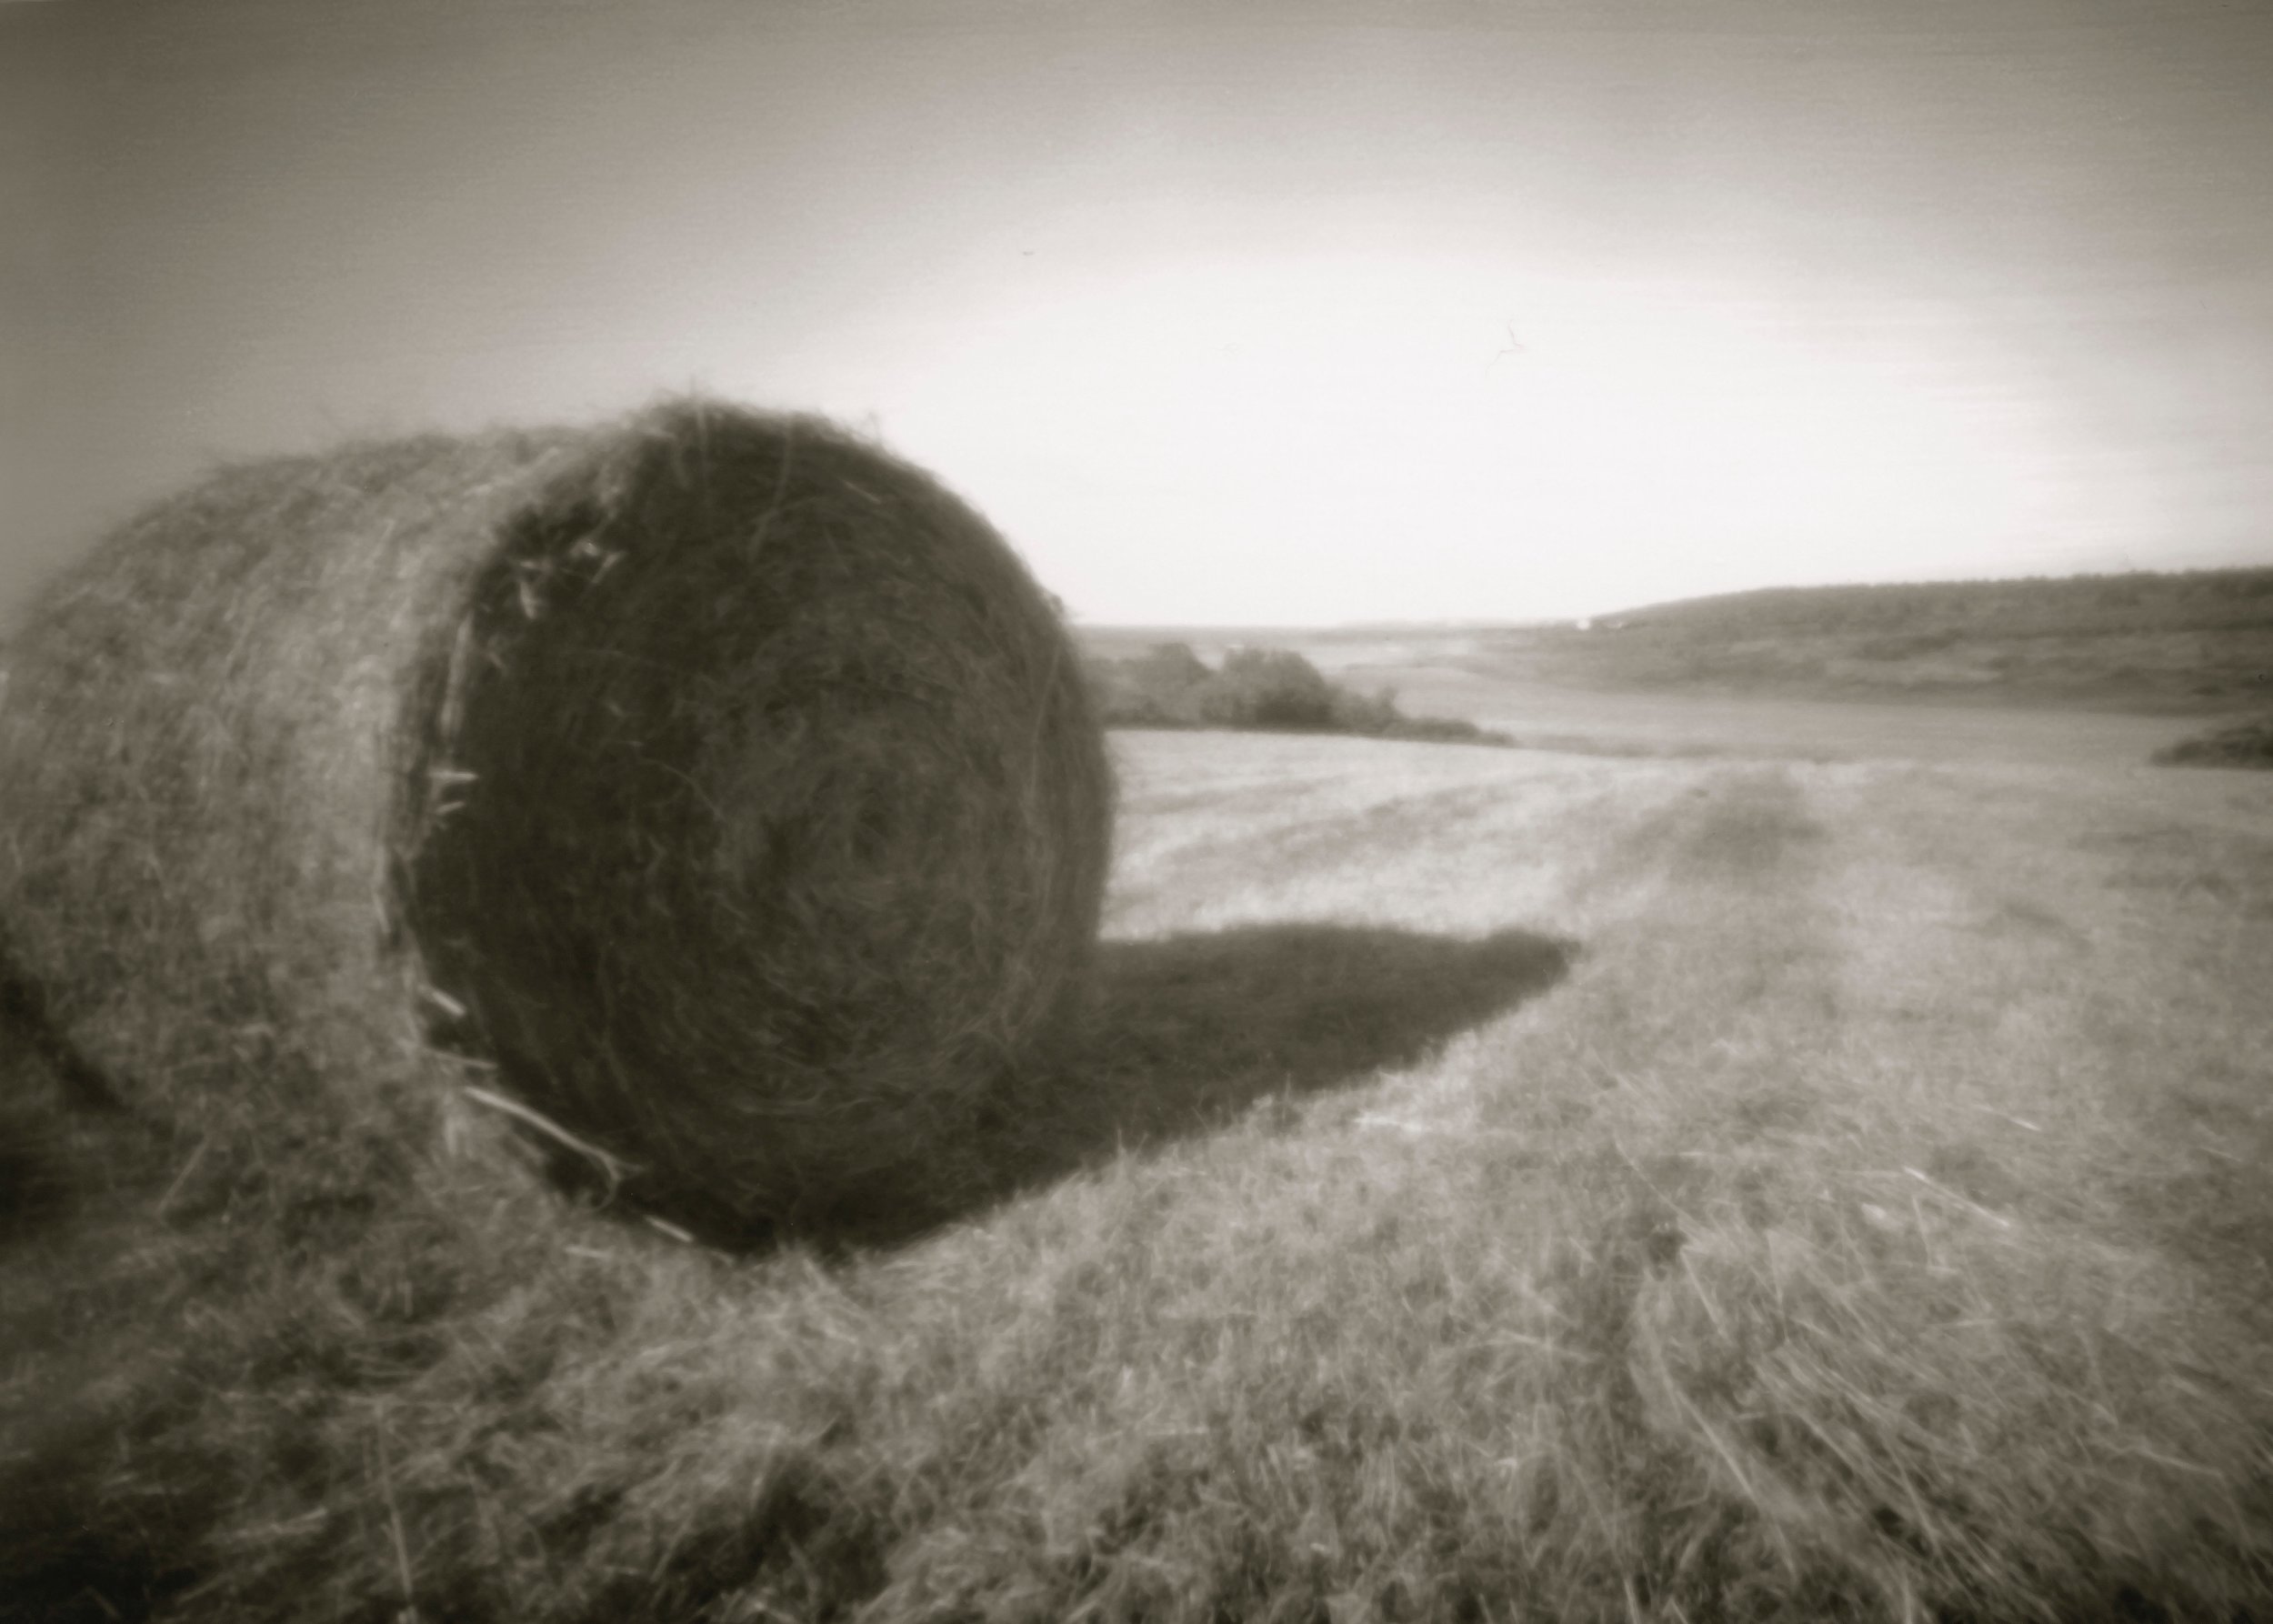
(195,783)
(733,775)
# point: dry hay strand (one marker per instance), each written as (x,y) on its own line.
(718,789)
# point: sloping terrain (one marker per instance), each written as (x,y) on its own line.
(2196,643)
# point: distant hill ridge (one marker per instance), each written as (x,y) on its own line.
(2190,641)
(2139,600)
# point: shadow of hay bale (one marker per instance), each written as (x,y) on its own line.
(1190,1030)
(1185,1034)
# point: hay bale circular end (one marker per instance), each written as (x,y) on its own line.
(731,777)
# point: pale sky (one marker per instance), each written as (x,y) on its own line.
(1321,312)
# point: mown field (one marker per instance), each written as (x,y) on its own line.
(1769,1181)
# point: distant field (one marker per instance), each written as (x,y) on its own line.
(2187,645)
(1440,674)
(1572,1185)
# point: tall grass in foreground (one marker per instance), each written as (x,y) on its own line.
(1851,1234)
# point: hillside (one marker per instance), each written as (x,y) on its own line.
(2196,641)
(2199,642)
(2142,601)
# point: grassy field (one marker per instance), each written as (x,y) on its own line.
(1762,1180)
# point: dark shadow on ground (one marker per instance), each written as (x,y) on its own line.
(1190,1030)
(1186,1032)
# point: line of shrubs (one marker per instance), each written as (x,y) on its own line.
(1272,690)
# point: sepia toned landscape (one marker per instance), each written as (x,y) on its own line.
(993,812)
(1753,1156)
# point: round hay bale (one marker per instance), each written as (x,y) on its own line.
(722,781)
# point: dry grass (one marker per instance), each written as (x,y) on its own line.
(729,791)
(1867,1225)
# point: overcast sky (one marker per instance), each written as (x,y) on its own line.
(1321,312)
